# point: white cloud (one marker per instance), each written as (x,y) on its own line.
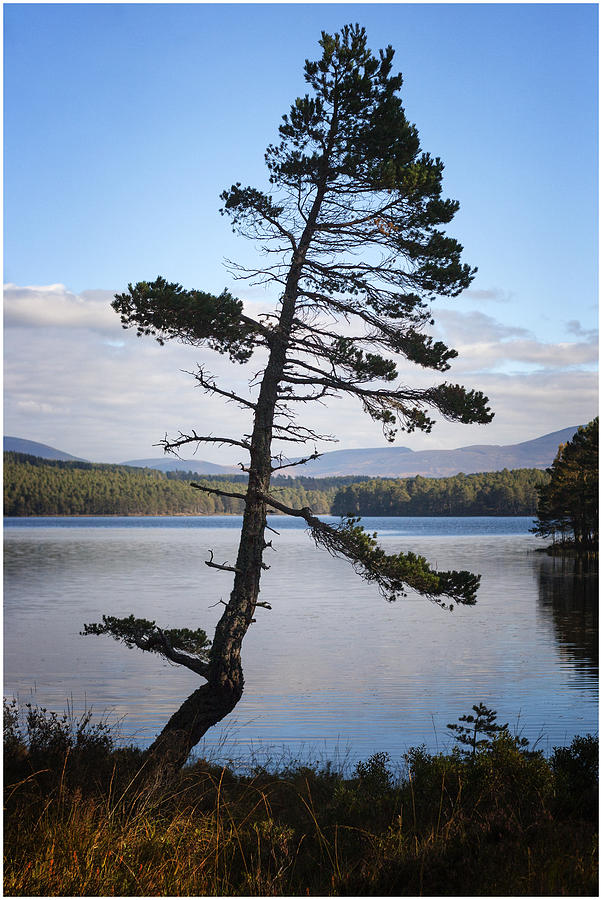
(76,380)
(520,354)
(470,327)
(495,294)
(111,395)
(56,307)
(483,343)
(33,407)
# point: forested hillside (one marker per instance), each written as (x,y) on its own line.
(41,487)
(505,493)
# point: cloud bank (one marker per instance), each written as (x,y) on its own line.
(484,344)
(78,381)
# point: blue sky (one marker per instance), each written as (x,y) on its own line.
(123,123)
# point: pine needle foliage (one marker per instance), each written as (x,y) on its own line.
(568,504)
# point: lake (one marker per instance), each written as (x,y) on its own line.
(333,671)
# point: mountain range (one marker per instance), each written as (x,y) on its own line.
(172,464)
(385,462)
(33,448)
(402,462)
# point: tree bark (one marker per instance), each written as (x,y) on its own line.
(210,703)
(213,701)
(216,699)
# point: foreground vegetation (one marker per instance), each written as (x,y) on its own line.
(41,487)
(489,818)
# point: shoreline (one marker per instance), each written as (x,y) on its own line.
(223,515)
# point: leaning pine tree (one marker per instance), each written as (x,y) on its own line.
(350,231)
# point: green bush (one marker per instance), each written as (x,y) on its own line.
(575,771)
(62,750)
(374,776)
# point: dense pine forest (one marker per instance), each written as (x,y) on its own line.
(41,487)
(505,493)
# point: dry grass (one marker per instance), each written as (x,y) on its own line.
(506,823)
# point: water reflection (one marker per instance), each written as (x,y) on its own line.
(331,664)
(568,599)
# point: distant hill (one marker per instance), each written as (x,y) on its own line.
(167,464)
(401,462)
(385,462)
(33,448)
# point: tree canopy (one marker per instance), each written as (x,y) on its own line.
(568,504)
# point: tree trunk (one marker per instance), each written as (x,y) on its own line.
(213,701)
(216,699)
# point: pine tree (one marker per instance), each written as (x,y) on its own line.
(351,234)
(568,504)
(483,722)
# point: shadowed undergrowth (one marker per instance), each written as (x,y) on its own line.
(501,820)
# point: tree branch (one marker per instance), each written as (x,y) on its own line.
(258,326)
(224,567)
(392,573)
(194,438)
(182,659)
(299,434)
(208,490)
(371,215)
(211,386)
(147,636)
(299,462)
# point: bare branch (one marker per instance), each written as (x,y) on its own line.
(194,438)
(203,379)
(299,462)
(258,326)
(224,567)
(288,396)
(371,216)
(208,490)
(304,513)
(300,434)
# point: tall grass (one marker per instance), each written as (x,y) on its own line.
(505,821)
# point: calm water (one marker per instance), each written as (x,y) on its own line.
(332,669)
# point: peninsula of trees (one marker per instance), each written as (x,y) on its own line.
(568,503)
(41,487)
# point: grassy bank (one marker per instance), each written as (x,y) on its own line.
(497,821)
